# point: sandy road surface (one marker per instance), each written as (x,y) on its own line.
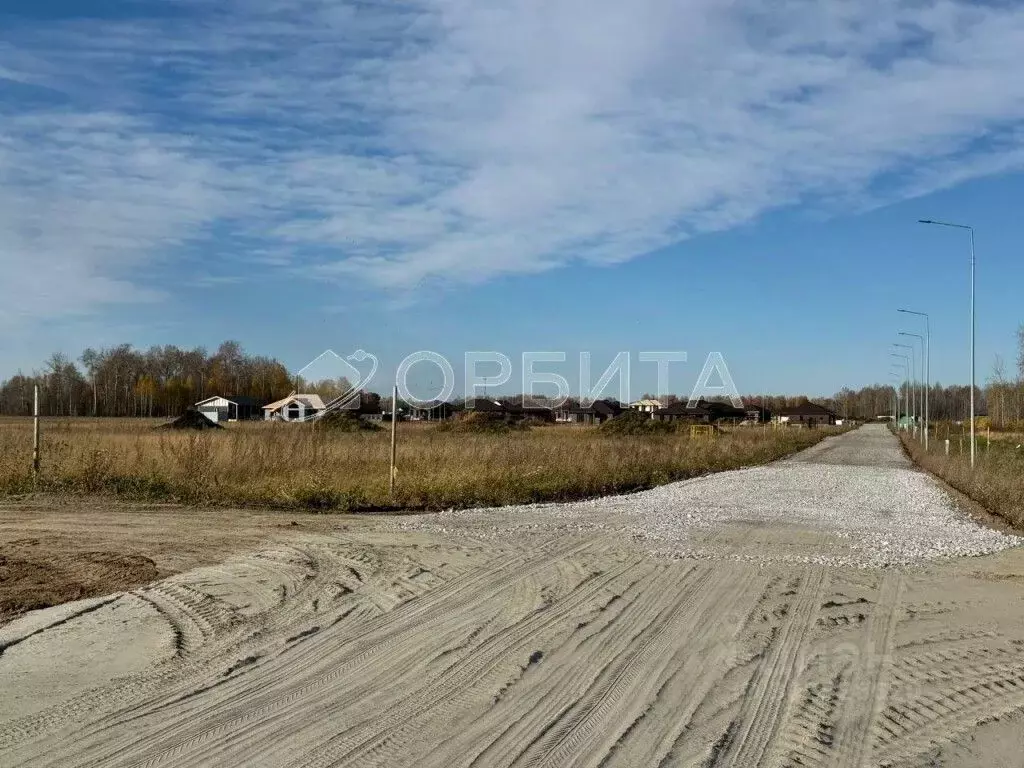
(738,620)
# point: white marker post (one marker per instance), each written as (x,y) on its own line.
(35,433)
(394,433)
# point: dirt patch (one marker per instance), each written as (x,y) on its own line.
(33,576)
(54,550)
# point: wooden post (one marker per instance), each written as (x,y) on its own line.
(394,432)
(35,433)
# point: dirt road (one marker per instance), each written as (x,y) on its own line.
(737,620)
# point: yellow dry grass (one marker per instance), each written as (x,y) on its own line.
(997,479)
(298,466)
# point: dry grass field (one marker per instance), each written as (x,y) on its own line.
(996,482)
(296,466)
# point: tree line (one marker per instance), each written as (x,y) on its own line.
(945,403)
(165,380)
(1000,401)
(158,382)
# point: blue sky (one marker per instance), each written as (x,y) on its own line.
(484,174)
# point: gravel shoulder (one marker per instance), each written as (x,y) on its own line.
(836,608)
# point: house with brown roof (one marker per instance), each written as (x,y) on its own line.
(702,412)
(507,411)
(807,414)
(597,412)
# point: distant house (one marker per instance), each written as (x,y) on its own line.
(598,412)
(758,413)
(432,411)
(483,405)
(531,412)
(680,411)
(702,412)
(231,408)
(646,406)
(295,407)
(368,409)
(807,414)
(509,411)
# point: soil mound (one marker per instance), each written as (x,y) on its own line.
(474,422)
(191,419)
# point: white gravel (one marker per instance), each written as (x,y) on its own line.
(851,501)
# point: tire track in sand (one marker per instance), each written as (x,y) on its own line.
(869,682)
(283,696)
(752,734)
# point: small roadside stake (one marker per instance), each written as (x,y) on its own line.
(394,431)
(35,433)
(947,446)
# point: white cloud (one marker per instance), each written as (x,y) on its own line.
(458,140)
(86,201)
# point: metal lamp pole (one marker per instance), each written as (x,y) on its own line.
(971,230)
(899,374)
(927,367)
(913,381)
(906,371)
(920,401)
(895,400)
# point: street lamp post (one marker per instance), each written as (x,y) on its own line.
(920,401)
(899,370)
(971,230)
(906,378)
(913,382)
(895,399)
(927,367)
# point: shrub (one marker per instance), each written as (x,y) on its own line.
(345,421)
(475,422)
(636,423)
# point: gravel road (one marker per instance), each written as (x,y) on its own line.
(816,612)
(852,500)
